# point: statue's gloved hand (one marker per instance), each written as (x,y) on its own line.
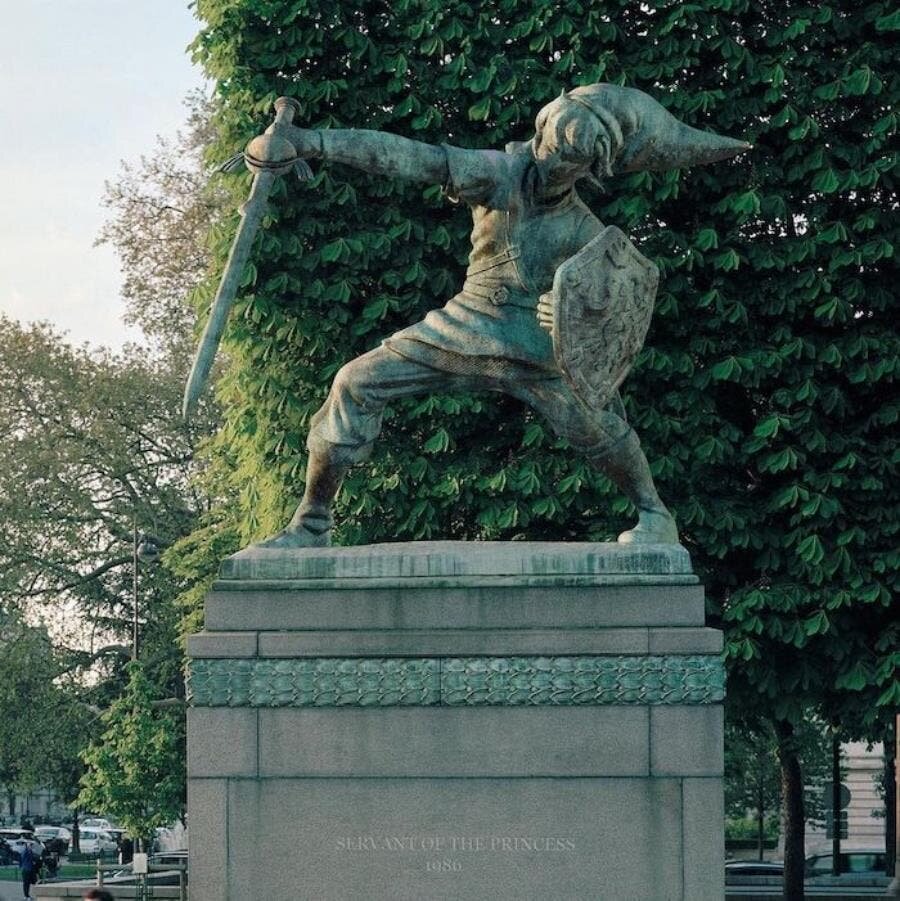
(545,310)
(271,151)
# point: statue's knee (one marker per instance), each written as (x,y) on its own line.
(350,381)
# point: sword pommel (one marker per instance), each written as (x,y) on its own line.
(285,110)
(272,151)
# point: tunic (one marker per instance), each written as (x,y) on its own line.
(487,337)
(490,327)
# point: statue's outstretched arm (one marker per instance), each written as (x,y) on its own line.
(372,151)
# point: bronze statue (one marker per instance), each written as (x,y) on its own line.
(554,306)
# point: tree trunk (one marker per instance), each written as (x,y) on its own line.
(835,805)
(794,817)
(890,805)
(11,800)
(760,819)
(76,833)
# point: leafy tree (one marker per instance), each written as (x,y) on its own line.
(161,209)
(26,671)
(764,394)
(752,777)
(93,452)
(92,449)
(135,769)
(46,718)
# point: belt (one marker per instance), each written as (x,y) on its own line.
(495,294)
(505,256)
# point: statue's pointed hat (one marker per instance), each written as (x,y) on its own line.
(645,135)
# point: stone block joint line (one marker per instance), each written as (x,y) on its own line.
(457,681)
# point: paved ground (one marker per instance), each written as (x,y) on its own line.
(10,891)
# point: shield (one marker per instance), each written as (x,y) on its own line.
(603,305)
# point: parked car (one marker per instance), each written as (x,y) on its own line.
(857,863)
(7,855)
(96,841)
(56,839)
(117,833)
(16,839)
(744,871)
(96,823)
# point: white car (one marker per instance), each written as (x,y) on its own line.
(96,841)
(53,835)
(17,839)
(96,823)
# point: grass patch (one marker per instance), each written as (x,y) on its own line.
(66,871)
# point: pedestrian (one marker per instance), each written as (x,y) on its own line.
(98,894)
(28,867)
(126,849)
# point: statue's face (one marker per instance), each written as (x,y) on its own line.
(564,143)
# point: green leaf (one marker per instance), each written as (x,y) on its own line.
(248,275)
(438,442)
(534,434)
(726,369)
(834,233)
(817,624)
(727,261)
(890,697)
(334,251)
(707,239)
(826,181)
(854,679)
(747,203)
(859,81)
(890,22)
(768,427)
(811,550)
(480,110)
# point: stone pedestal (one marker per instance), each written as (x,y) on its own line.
(456,721)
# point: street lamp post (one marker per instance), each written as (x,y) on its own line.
(145,549)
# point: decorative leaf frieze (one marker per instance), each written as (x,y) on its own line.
(456,681)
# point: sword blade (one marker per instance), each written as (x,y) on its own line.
(251,215)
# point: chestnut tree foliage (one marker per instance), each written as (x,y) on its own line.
(764,393)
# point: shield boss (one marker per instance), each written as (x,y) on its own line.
(604,302)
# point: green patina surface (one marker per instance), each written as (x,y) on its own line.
(456,681)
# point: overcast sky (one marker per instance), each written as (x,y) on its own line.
(83,85)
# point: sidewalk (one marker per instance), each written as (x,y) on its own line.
(11,891)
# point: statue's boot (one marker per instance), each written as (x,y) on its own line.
(311,524)
(627,466)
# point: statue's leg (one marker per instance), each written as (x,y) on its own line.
(343,431)
(612,446)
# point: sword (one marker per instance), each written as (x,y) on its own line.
(267,157)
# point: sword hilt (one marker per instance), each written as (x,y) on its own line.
(285,110)
(273,152)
